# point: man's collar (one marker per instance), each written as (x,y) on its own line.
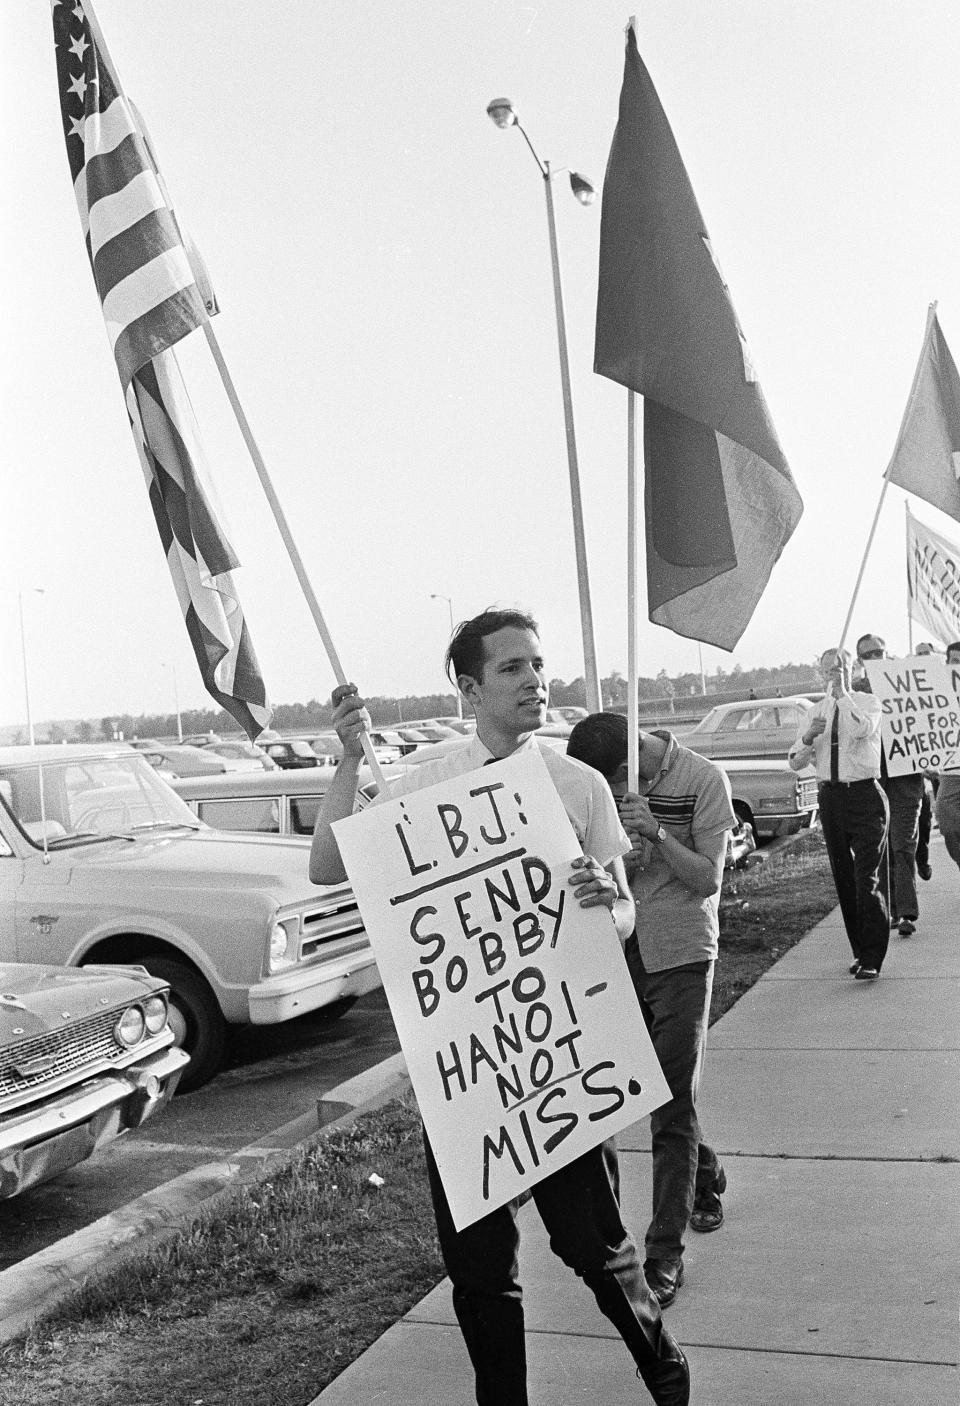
(668,758)
(480,752)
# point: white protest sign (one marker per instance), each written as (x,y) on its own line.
(933,580)
(514,1006)
(920,698)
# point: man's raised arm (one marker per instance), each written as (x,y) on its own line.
(351,720)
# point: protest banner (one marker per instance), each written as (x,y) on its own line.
(920,698)
(514,1006)
(933,580)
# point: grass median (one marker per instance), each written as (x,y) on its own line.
(273,1295)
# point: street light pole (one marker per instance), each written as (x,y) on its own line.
(502,112)
(434,595)
(38,590)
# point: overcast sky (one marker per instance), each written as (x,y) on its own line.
(380,254)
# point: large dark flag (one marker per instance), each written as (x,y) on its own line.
(720,502)
(153,291)
(926,460)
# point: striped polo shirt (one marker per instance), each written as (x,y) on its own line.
(690,797)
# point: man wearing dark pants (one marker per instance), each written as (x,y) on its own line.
(679,826)
(842,738)
(905,801)
(497,663)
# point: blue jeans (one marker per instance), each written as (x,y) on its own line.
(676,1008)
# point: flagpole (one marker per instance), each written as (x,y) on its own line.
(287,536)
(931,313)
(906,506)
(633,707)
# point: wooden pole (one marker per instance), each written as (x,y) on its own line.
(287,536)
(633,707)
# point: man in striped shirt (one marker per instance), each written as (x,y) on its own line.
(678,825)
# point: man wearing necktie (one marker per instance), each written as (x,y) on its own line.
(842,739)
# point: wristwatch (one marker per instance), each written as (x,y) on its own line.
(660,836)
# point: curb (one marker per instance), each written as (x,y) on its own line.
(35,1285)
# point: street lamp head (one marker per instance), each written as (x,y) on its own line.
(582,188)
(502,112)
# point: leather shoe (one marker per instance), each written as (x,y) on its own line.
(668,1378)
(664,1278)
(907,927)
(866,974)
(707,1213)
(925,871)
(855,967)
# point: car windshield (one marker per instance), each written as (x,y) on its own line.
(75,801)
(709,722)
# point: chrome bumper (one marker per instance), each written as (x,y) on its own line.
(45,1140)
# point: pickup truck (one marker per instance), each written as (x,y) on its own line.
(101,862)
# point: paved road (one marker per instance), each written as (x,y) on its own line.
(273,1075)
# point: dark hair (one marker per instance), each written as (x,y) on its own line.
(465,652)
(955,645)
(600,740)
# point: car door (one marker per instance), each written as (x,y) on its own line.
(755,734)
(792,717)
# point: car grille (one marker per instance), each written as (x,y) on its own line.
(86,1045)
(806,793)
(335,928)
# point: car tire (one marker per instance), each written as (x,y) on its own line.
(196,1019)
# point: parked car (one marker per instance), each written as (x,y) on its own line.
(101,862)
(758,727)
(769,797)
(283,803)
(328,748)
(292,753)
(184,761)
(84,1056)
(201,739)
(249,754)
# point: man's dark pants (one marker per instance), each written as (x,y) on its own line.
(854,818)
(676,1008)
(580,1208)
(905,799)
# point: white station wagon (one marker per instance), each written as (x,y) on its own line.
(101,862)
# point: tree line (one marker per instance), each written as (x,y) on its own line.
(314,716)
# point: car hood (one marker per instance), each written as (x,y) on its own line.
(36,999)
(273,864)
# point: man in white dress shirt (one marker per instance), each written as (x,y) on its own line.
(842,738)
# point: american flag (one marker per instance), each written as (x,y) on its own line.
(154,290)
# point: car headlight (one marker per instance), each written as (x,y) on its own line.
(130,1027)
(155,1014)
(283,946)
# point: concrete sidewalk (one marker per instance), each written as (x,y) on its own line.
(834,1104)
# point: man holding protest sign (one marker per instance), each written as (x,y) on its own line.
(842,738)
(497,663)
(679,826)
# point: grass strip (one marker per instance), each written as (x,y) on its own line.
(273,1295)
